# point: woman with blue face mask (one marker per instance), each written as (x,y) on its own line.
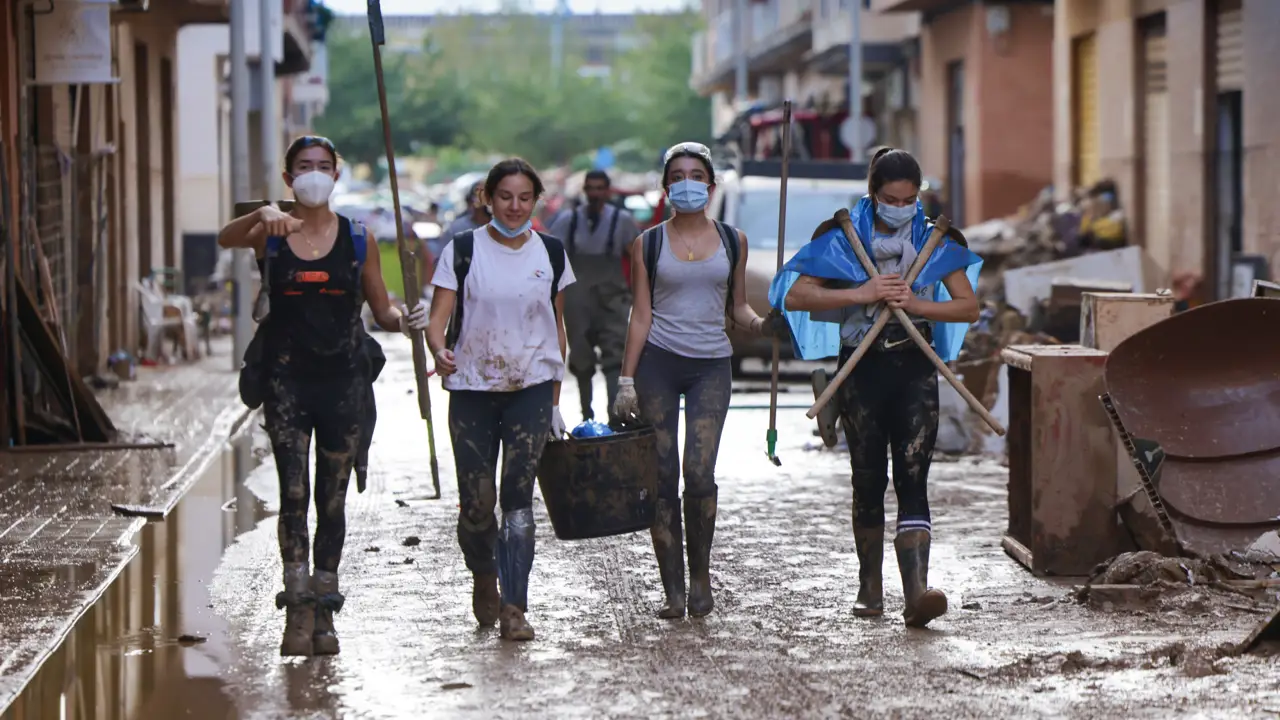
(498,294)
(891,398)
(688,276)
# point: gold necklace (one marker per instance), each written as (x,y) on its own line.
(315,252)
(688,250)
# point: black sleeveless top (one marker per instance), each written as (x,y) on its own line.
(315,323)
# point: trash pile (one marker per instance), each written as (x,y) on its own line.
(1148,581)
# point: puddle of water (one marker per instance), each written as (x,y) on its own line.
(152,647)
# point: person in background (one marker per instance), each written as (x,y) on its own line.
(498,293)
(689,278)
(890,400)
(598,306)
(318,374)
(477,216)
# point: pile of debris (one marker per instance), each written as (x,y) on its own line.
(1146,580)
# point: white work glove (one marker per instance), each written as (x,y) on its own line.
(626,405)
(414,320)
(558,428)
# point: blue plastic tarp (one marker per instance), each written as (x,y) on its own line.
(830,257)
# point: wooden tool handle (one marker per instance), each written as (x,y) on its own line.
(846,225)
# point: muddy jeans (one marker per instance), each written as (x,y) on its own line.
(890,399)
(707,385)
(331,407)
(479,424)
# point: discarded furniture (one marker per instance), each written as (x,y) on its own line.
(1061,318)
(1062,461)
(1109,318)
(167,315)
(1202,389)
(1025,287)
(1263,288)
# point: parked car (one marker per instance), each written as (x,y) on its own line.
(750,203)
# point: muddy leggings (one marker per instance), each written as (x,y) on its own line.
(479,424)
(707,385)
(890,399)
(330,407)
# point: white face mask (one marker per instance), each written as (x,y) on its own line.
(313,188)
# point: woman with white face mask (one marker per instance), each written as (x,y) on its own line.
(497,334)
(688,276)
(321,267)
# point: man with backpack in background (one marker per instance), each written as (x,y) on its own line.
(597,307)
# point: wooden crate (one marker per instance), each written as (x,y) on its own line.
(1062,461)
(1108,318)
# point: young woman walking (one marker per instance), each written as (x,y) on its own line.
(688,274)
(321,268)
(502,359)
(890,401)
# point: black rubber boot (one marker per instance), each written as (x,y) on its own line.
(668,541)
(328,601)
(299,604)
(700,528)
(870,544)
(923,604)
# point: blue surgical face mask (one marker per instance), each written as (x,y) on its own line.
(893,216)
(688,196)
(509,232)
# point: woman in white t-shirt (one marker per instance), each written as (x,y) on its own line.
(502,360)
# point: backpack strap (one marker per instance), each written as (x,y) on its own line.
(464,246)
(613,230)
(570,241)
(652,251)
(555,251)
(732,248)
(360,239)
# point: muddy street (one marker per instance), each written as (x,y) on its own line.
(781,643)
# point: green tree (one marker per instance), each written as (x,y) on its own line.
(424,101)
(667,108)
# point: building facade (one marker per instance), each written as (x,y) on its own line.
(1175,101)
(96,197)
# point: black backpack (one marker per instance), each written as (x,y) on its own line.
(464,246)
(653,251)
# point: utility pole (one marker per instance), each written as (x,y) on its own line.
(740,55)
(270,121)
(855,83)
(242,302)
(557,40)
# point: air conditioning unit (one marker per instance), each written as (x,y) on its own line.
(132,5)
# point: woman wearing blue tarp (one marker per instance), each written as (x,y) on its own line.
(891,398)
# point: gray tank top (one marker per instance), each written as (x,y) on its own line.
(688,304)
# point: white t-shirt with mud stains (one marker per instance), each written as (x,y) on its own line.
(509,338)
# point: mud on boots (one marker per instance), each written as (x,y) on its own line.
(688,280)
(310,368)
(890,399)
(497,335)
(597,306)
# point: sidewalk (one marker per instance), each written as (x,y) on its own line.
(61,543)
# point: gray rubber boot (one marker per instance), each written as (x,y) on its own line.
(923,603)
(870,544)
(668,546)
(700,528)
(299,604)
(328,601)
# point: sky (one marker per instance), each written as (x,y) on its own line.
(426,7)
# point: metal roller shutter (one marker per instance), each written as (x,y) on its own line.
(1229,48)
(1156,148)
(1085,72)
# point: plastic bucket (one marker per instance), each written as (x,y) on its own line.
(601,486)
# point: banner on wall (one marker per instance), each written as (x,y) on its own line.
(73,43)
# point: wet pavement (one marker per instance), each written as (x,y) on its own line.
(781,643)
(61,543)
